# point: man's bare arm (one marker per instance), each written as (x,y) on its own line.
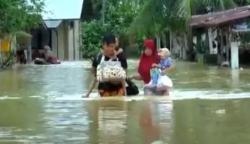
(93,83)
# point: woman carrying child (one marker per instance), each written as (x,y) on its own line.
(160,82)
(148,61)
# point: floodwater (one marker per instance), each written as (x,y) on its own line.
(43,104)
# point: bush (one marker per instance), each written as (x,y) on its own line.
(93,32)
(118,17)
(91,36)
(23,39)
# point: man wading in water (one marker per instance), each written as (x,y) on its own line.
(115,86)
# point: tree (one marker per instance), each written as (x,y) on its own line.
(242,2)
(92,35)
(19,15)
(159,15)
(119,15)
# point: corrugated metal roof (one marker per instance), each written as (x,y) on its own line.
(62,9)
(52,23)
(219,18)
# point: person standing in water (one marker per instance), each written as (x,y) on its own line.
(112,87)
(159,80)
(148,59)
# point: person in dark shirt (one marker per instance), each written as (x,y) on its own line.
(109,88)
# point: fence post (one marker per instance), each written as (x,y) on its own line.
(234,55)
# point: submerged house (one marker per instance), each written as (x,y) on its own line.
(216,36)
(61,29)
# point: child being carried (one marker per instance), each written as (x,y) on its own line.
(158,77)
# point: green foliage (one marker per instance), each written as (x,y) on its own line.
(23,38)
(242,2)
(138,19)
(7,60)
(200,7)
(159,15)
(92,35)
(19,15)
(16,15)
(118,16)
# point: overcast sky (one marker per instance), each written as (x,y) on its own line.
(62,9)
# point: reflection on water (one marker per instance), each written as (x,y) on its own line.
(211,122)
(142,122)
(43,104)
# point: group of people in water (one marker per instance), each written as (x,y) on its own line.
(110,70)
(45,57)
(39,56)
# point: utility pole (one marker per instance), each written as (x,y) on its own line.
(103,11)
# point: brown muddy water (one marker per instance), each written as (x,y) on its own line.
(43,104)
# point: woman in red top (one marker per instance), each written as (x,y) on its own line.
(148,58)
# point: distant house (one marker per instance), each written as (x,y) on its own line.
(218,35)
(61,29)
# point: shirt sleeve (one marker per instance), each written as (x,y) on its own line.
(95,61)
(169,62)
(123,60)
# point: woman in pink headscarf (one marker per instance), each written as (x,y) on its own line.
(148,58)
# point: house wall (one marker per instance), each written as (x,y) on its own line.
(179,45)
(54,42)
(66,40)
(40,38)
(77,39)
(60,44)
(71,47)
(80,40)
(73,40)
(61,41)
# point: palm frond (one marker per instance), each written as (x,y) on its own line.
(159,15)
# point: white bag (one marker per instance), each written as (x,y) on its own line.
(110,70)
(162,81)
(165,81)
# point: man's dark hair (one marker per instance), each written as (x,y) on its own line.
(109,38)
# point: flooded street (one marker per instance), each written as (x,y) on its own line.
(43,104)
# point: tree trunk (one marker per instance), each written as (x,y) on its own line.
(210,40)
(171,41)
(227,45)
(190,46)
(164,41)
(103,11)
(1,54)
(158,41)
(219,58)
(185,46)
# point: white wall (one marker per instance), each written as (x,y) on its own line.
(68,41)
(61,47)
(73,40)
(54,43)
(77,40)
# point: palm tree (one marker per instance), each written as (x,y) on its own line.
(242,2)
(158,15)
